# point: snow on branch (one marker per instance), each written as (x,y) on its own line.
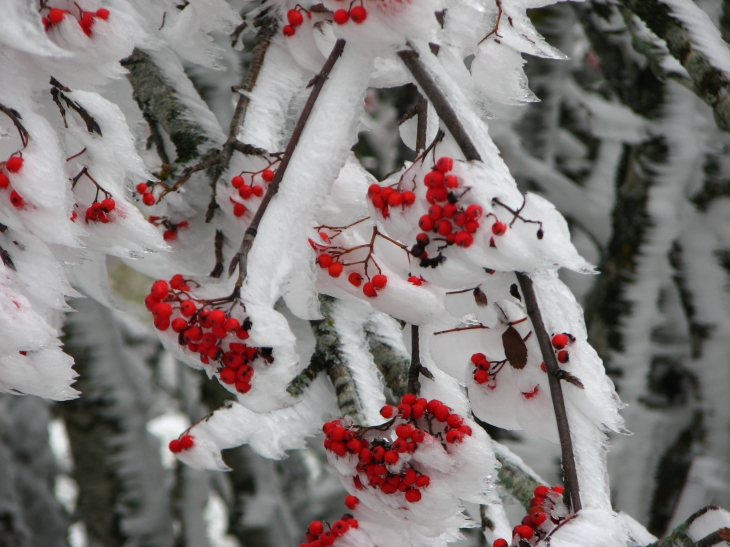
(693,532)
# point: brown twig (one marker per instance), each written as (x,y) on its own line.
(57,92)
(218,268)
(15,117)
(241,257)
(447,114)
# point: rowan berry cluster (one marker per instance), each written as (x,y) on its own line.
(295,18)
(146,190)
(482,370)
(205,328)
(186,442)
(384,459)
(356,14)
(12,165)
(171,228)
(99,211)
(560,342)
(546,511)
(248,190)
(383,198)
(86,21)
(317,536)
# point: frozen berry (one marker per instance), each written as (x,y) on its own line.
(267,175)
(324,260)
(56,15)
(499,228)
(413,495)
(294,17)
(143,188)
(386,411)
(445,164)
(102,13)
(341,16)
(257,190)
(351,502)
(368,290)
(335,269)
(108,205)
(239,209)
(524,531)
(175,446)
(500,543)
(409,198)
(541,491)
(358,14)
(288,31)
(426,223)
(4,180)
(14,164)
(237,181)
(355,279)
(149,199)
(563,356)
(379,281)
(560,341)
(413,280)
(187,442)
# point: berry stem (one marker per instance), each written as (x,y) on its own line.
(15,117)
(240,260)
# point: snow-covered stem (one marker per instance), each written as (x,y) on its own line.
(711,82)
(679,537)
(240,260)
(393,366)
(513,476)
(572,489)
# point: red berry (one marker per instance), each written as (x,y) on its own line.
(436,212)
(56,15)
(163,310)
(451,181)
(454,421)
(149,199)
(563,356)
(374,189)
(108,205)
(335,269)
(187,308)
(258,191)
(499,228)
(316,528)
(87,22)
(16,199)
(355,279)
(500,543)
(426,223)
(4,180)
(560,341)
(187,442)
(324,260)
(379,281)
(242,387)
(358,14)
(288,31)
(474,211)
(444,227)
(267,175)
(217,317)
(434,179)
(14,164)
(409,198)
(231,324)
(242,334)
(143,188)
(369,290)
(395,199)
(341,16)
(541,491)
(524,531)
(538,517)
(193,334)
(391,457)
(351,502)
(175,446)
(423,239)
(169,235)
(558,489)
(454,436)
(237,181)
(179,325)
(445,164)
(481,377)
(160,288)
(413,495)
(386,411)
(239,209)
(442,413)
(102,13)
(294,17)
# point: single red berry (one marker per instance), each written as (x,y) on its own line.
(288,31)
(391,457)
(4,180)
(245,191)
(108,205)
(294,17)
(169,235)
(369,290)
(560,341)
(558,489)
(445,164)
(538,517)
(500,543)
(341,16)
(442,413)
(160,288)
(355,279)
(524,531)
(231,324)
(242,334)
(499,228)
(358,14)
(143,188)
(413,495)
(423,239)
(463,239)
(374,190)
(102,13)
(436,212)
(316,528)
(454,436)
(413,280)
(257,190)
(187,442)
(541,491)
(87,22)
(187,308)
(175,446)
(434,179)
(386,412)
(395,199)
(324,260)
(335,269)
(481,377)
(217,317)
(454,421)
(451,181)
(267,175)
(409,198)
(444,227)
(474,211)
(14,164)
(56,15)
(228,375)
(193,334)
(426,223)
(351,502)
(327,538)
(242,387)
(179,325)
(379,281)
(163,310)
(239,209)
(237,181)
(149,199)
(563,356)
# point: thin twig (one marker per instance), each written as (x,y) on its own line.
(218,268)
(15,117)
(241,257)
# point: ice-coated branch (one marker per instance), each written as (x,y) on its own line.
(680,536)
(450,119)
(556,390)
(712,83)
(240,260)
(518,479)
(328,356)
(393,365)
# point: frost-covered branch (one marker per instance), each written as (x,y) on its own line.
(392,364)
(695,42)
(683,536)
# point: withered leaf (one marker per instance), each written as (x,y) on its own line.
(515,349)
(514,292)
(480,297)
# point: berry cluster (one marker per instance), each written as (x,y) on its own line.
(248,190)
(378,459)
(560,342)
(186,442)
(357,14)
(86,22)
(295,18)
(335,268)
(146,191)
(171,228)
(546,511)
(99,211)
(383,198)
(13,165)
(482,370)
(317,536)
(205,328)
